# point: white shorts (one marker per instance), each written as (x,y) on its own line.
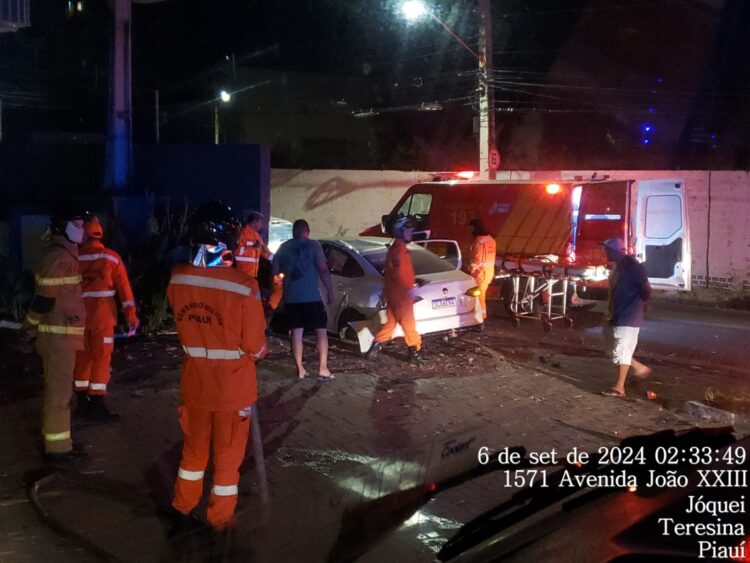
(624,341)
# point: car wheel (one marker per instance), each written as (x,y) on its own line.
(345,331)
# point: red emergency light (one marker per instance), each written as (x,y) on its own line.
(466,174)
(552,189)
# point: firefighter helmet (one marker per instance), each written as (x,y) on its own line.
(92,228)
(63,212)
(213,223)
(254,216)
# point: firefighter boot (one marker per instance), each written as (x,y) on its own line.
(83,405)
(374,351)
(98,411)
(415,358)
(69,460)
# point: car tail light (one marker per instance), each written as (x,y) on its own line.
(474,292)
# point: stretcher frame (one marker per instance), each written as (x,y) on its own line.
(535,278)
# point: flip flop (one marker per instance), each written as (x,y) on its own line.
(613,393)
(301,377)
(327,377)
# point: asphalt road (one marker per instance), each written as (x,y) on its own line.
(698,353)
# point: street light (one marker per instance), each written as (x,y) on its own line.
(413,10)
(225,98)
(489,158)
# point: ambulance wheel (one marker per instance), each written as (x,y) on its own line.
(569,322)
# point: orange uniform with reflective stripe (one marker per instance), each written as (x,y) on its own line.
(250,249)
(103,276)
(218,309)
(220,322)
(482,266)
(399,282)
(59,335)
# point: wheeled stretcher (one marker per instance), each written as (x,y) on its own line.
(539,288)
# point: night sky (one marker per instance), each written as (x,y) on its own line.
(578,83)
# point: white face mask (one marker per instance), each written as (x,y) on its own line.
(74,234)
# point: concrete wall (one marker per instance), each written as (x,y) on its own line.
(338,202)
(344,202)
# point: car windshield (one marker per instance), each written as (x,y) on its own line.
(424,261)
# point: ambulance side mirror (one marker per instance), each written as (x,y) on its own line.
(385,221)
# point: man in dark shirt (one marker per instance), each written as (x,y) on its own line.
(629,291)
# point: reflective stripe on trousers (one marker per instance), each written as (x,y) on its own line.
(225,490)
(190,475)
(57,437)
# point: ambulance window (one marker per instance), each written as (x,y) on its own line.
(447,250)
(416,206)
(663,216)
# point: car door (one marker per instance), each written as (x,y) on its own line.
(448,250)
(662,241)
(345,271)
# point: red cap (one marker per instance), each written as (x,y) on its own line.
(93,228)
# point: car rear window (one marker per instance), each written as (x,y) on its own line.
(424,261)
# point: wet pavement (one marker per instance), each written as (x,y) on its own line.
(342,455)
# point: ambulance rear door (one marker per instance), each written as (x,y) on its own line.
(662,237)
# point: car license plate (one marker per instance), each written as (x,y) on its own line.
(444,303)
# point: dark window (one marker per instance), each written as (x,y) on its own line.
(341,263)
(416,206)
(424,261)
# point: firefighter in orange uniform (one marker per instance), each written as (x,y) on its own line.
(103,276)
(58,314)
(482,265)
(250,246)
(250,249)
(399,293)
(220,323)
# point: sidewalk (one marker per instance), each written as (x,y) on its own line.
(328,446)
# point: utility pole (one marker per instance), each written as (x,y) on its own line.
(157,117)
(489,158)
(119,127)
(216,123)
